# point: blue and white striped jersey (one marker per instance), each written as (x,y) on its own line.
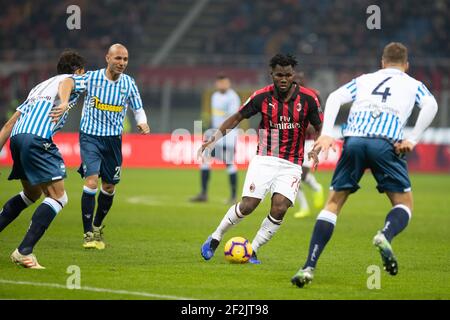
(35,111)
(106,102)
(382,103)
(223,105)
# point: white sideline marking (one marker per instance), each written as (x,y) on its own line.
(60,286)
(152,201)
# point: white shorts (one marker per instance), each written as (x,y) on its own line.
(266,173)
(309,144)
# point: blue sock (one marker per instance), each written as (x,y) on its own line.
(323,230)
(87,208)
(233,183)
(105,202)
(396,220)
(205,179)
(42,217)
(12,209)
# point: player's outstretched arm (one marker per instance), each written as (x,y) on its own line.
(64,90)
(7,128)
(224,128)
(427,113)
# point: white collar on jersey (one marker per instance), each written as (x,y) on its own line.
(391,70)
(109,80)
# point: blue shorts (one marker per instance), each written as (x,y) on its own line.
(101,156)
(360,153)
(36,160)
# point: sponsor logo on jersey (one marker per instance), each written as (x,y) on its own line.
(95,103)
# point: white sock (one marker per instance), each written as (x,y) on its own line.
(232,217)
(311,181)
(302,200)
(268,228)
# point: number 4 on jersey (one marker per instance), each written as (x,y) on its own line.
(384,93)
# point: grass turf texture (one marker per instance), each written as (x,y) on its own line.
(154,235)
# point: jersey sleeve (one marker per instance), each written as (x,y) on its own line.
(80,82)
(422,94)
(315,114)
(134,99)
(348,91)
(252,106)
(22,107)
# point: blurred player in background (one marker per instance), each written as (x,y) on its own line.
(108,94)
(37,161)
(308,177)
(374,139)
(286,109)
(224,103)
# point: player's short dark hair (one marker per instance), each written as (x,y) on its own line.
(283,60)
(221,76)
(395,52)
(69,62)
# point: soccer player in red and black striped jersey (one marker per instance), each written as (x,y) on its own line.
(286,110)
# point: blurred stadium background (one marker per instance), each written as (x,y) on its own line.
(176,48)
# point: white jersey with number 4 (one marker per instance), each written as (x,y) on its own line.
(382,103)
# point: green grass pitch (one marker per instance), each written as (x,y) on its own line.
(154,235)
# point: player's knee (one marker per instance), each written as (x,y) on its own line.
(278,210)
(32,196)
(91,182)
(247,206)
(108,188)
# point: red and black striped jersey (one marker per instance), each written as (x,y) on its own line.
(311,134)
(283,124)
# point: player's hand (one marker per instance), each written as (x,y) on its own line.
(204,152)
(324,143)
(58,111)
(143,128)
(314,156)
(403,147)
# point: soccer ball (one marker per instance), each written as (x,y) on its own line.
(238,250)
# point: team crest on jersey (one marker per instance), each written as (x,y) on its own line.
(252,187)
(299,107)
(46,145)
(123,90)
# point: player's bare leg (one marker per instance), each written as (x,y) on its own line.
(234,215)
(396,221)
(323,230)
(14,206)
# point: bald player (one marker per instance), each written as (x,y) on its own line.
(108,94)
